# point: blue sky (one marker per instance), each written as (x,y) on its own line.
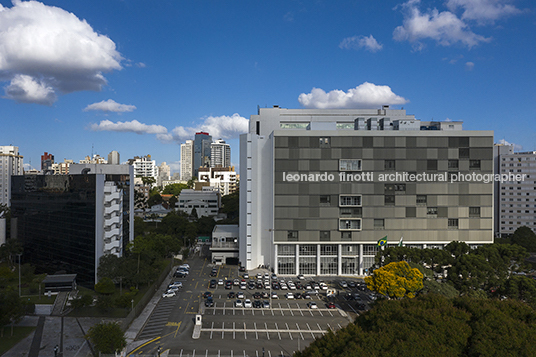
(141,77)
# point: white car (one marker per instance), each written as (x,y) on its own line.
(236,282)
(343,284)
(172,288)
(312,305)
(291,286)
(266,276)
(247,303)
(238,303)
(301,277)
(178,284)
(220,281)
(323,286)
(289,295)
(187,266)
(283,286)
(168,294)
(274,296)
(259,276)
(240,295)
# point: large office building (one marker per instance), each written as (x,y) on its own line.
(515,200)
(220,154)
(202,151)
(187,160)
(10,164)
(319,188)
(67,222)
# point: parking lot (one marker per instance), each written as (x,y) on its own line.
(283,327)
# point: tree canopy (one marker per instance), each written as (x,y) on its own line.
(396,280)
(107,337)
(525,237)
(174,189)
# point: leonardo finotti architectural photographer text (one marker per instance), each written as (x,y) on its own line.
(401,177)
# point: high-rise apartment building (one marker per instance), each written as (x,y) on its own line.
(187,160)
(202,151)
(47,160)
(222,178)
(113,158)
(67,222)
(10,164)
(320,187)
(144,166)
(164,173)
(95,159)
(515,201)
(220,154)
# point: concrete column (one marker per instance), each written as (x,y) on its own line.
(297,259)
(274,247)
(339,259)
(360,259)
(318,259)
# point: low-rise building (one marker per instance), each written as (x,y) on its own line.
(224,248)
(206,202)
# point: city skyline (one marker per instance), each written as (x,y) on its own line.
(145,81)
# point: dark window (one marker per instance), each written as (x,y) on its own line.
(432,211)
(463,153)
(351,212)
(389,200)
(389,165)
(474,164)
(453,223)
(453,164)
(325,200)
(421,199)
(411,211)
(346,235)
(324,235)
(292,235)
(474,211)
(324,142)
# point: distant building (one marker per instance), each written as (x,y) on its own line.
(202,151)
(206,202)
(47,160)
(113,158)
(96,159)
(516,199)
(223,178)
(67,222)
(187,160)
(62,168)
(144,166)
(164,173)
(220,154)
(224,247)
(10,164)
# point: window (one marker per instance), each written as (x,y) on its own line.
(431,211)
(346,236)
(347,200)
(453,223)
(421,200)
(328,265)
(325,235)
(307,249)
(286,265)
(350,165)
(349,249)
(350,266)
(474,164)
(325,200)
(453,165)
(351,212)
(463,153)
(400,187)
(308,265)
(345,126)
(292,235)
(370,249)
(328,249)
(350,224)
(474,211)
(294,125)
(389,200)
(389,165)
(286,249)
(323,142)
(379,223)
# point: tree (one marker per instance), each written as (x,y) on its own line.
(148,180)
(109,267)
(525,237)
(12,308)
(174,189)
(105,286)
(396,280)
(173,202)
(154,200)
(107,337)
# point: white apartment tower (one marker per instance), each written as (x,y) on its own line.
(144,167)
(187,158)
(113,158)
(220,154)
(164,174)
(10,165)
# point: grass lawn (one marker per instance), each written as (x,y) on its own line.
(42,299)
(19,333)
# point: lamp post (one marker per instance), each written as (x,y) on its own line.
(56,350)
(19,276)
(159,350)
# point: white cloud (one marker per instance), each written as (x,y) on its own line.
(365,95)
(110,106)
(357,42)
(469,66)
(224,127)
(443,27)
(26,89)
(483,11)
(133,126)
(53,47)
(516,146)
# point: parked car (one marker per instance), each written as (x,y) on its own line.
(343,284)
(259,276)
(257,295)
(330,305)
(247,303)
(289,295)
(236,282)
(266,304)
(207,294)
(274,295)
(301,277)
(312,305)
(238,303)
(177,284)
(240,295)
(246,276)
(209,302)
(168,294)
(361,306)
(273,277)
(242,269)
(265,295)
(231,295)
(213,283)
(257,304)
(220,281)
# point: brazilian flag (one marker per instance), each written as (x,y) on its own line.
(382,242)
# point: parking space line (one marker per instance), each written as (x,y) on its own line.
(266,327)
(206,353)
(288,328)
(222,329)
(256,334)
(214,310)
(298,328)
(320,313)
(234,331)
(245,335)
(309,327)
(320,329)
(330,327)
(180,354)
(290,309)
(277,328)
(212,330)
(193,354)
(340,327)
(269,354)
(281,309)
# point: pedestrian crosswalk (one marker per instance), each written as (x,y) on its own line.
(159,318)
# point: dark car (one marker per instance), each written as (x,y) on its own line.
(352,284)
(257,304)
(228,284)
(207,294)
(257,295)
(213,283)
(298,296)
(361,307)
(265,295)
(231,295)
(213,272)
(209,302)
(330,305)
(179,274)
(242,269)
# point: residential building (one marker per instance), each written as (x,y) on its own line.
(144,167)
(95,159)
(187,160)
(220,154)
(47,160)
(516,199)
(224,247)
(113,158)
(321,187)
(498,151)
(11,163)
(67,222)
(164,173)
(223,178)
(206,202)
(202,151)
(62,168)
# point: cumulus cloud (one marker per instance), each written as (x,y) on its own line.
(46,49)
(516,146)
(483,11)
(469,66)
(110,105)
(224,127)
(358,42)
(443,27)
(365,95)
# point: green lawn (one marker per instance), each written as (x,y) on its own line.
(19,332)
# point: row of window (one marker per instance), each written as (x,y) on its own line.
(390,165)
(325,249)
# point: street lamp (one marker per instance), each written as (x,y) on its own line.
(159,350)
(19,276)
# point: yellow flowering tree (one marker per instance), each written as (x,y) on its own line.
(396,280)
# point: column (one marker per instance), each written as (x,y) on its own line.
(361,259)
(318,259)
(274,247)
(297,259)
(339,259)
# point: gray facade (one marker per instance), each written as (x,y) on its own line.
(329,190)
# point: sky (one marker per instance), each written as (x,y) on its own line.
(141,77)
